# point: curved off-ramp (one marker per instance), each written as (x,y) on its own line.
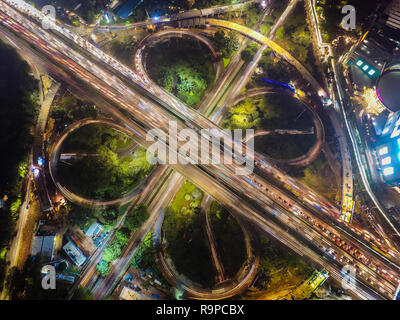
(224,290)
(314,151)
(248,32)
(173,33)
(54,156)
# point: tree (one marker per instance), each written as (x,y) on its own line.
(18,102)
(231,44)
(265,28)
(103,267)
(280,33)
(122,236)
(248,53)
(78,215)
(226,44)
(136,217)
(301,36)
(112,252)
(219,39)
(110,215)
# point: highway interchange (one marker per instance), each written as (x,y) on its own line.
(320,237)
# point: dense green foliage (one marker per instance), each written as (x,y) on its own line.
(295,37)
(318,176)
(144,259)
(333,16)
(136,217)
(103,267)
(18,102)
(89,138)
(69,109)
(104,175)
(182,67)
(229,239)
(252,14)
(269,113)
(84,217)
(123,49)
(133,221)
(271,69)
(276,263)
(226,44)
(248,53)
(187,242)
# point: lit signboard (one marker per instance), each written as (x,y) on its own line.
(388,171)
(383,151)
(386,161)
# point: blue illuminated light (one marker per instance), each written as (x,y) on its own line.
(40,161)
(289,86)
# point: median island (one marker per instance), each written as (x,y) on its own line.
(183,67)
(280,122)
(102,164)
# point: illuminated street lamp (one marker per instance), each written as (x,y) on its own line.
(322,93)
(35,172)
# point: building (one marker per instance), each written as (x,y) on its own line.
(96,233)
(377,49)
(65,278)
(74,253)
(373,66)
(388,86)
(391,15)
(126,10)
(388,150)
(129,294)
(43,246)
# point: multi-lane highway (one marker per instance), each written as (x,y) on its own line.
(380,277)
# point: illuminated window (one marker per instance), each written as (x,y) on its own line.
(388,171)
(365,67)
(383,151)
(359,63)
(386,161)
(371,72)
(384,130)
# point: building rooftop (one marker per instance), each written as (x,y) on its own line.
(388,89)
(94,229)
(126,10)
(74,253)
(44,246)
